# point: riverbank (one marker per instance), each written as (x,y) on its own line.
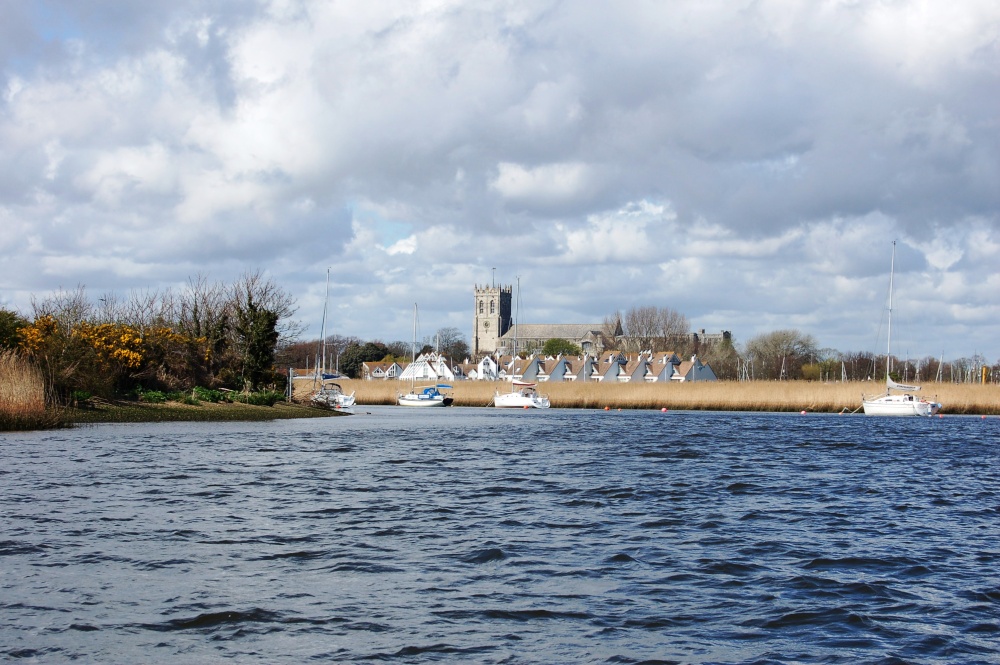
(139,412)
(778,396)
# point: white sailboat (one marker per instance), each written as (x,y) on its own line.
(891,404)
(523,394)
(425,395)
(330,394)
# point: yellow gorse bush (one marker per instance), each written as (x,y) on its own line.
(35,335)
(113,342)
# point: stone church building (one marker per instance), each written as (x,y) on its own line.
(493,328)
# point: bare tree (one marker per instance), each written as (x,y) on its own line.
(674,330)
(781,354)
(68,308)
(642,328)
(266,295)
(611,329)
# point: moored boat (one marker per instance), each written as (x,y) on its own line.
(891,404)
(426,396)
(523,395)
(332,395)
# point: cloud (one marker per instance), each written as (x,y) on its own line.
(746,164)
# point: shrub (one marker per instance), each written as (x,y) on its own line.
(153,397)
(207,395)
(262,398)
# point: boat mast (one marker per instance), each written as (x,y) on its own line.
(326,303)
(517,313)
(413,348)
(888,344)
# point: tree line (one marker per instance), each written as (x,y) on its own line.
(241,336)
(207,334)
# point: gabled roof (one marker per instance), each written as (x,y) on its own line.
(569,331)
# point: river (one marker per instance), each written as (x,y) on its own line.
(488,536)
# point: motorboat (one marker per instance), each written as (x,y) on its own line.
(333,396)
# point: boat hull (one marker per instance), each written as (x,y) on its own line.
(900,405)
(331,396)
(423,401)
(519,401)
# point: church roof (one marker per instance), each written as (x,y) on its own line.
(568,331)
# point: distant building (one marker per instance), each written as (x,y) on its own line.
(491,318)
(495,332)
(587,336)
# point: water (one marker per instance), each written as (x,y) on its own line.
(476,535)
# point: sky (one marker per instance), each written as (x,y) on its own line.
(747,163)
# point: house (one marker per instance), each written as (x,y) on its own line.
(661,365)
(428,367)
(487,369)
(610,367)
(693,370)
(380,371)
(561,369)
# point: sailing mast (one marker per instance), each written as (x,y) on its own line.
(888,343)
(326,303)
(413,348)
(320,368)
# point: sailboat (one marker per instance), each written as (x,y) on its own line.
(523,394)
(330,394)
(891,404)
(427,395)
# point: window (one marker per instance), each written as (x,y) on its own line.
(493,307)
(480,306)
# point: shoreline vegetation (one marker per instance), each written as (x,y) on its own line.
(22,404)
(776,396)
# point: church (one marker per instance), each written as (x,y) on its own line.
(493,329)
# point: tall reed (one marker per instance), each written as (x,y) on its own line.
(792,396)
(22,396)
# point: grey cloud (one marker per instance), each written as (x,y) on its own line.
(788,147)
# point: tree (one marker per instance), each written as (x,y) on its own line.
(356,354)
(451,342)
(561,347)
(642,328)
(256,336)
(781,354)
(258,306)
(10,327)
(650,329)
(723,358)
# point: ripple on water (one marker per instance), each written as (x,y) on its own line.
(560,537)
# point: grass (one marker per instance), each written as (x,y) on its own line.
(23,405)
(791,396)
(22,397)
(142,412)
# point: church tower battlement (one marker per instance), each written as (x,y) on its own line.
(492,317)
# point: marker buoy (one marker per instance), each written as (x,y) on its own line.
(802,413)
(663,410)
(607,408)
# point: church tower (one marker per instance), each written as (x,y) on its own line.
(491,318)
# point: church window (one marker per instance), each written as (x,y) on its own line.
(493,307)
(480,306)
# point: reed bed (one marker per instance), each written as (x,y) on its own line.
(791,396)
(22,396)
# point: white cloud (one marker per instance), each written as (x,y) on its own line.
(746,164)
